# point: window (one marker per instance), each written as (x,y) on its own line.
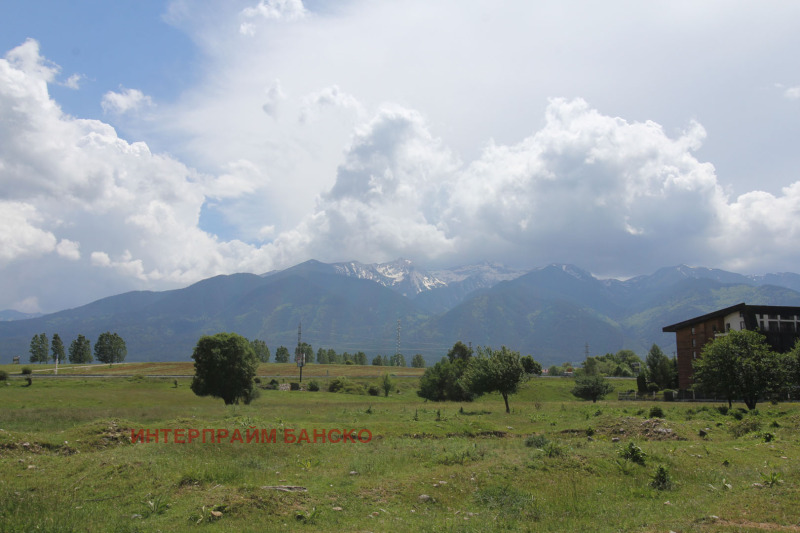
(692,330)
(728,326)
(694,343)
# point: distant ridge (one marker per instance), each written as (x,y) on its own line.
(551,312)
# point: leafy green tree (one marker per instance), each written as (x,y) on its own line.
(442,381)
(418,361)
(591,367)
(224,367)
(80,351)
(592,387)
(360,358)
(308,352)
(261,349)
(282,354)
(531,366)
(459,352)
(398,360)
(660,368)
(57,348)
(322,356)
(386,384)
(495,371)
(555,370)
(377,361)
(740,364)
(110,348)
(40,347)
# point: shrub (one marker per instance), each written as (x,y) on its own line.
(257,380)
(744,427)
(661,480)
(337,384)
(656,412)
(536,441)
(294,385)
(633,453)
(3,375)
(589,431)
(313,386)
(723,409)
(26,371)
(374,390)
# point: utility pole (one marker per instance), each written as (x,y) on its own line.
(397,349)
(299,354)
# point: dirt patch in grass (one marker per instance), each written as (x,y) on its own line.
(631,427)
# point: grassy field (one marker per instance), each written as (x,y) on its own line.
(554,464)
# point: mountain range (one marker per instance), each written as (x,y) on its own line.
(556,313)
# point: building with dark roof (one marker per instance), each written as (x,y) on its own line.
(780,325)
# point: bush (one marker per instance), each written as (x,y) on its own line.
(661,480)
(294,385)
(739,429)
(536,441)
(723,409)
(3,375)
(633,453)
(374,390)
(257,380)
(313,386)
(656,412)
(337,384)
(26,371)
(342,384)
(273,384)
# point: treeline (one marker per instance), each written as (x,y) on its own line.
(109,348)
(329,356)
(656,372)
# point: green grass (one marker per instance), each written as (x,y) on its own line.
(67,464)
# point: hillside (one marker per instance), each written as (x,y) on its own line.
(552,312)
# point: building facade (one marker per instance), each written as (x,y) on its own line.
(780,325)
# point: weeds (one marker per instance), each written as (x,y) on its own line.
(771,479)
(536,441)
(156,505)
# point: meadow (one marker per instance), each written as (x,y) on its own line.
(554,463)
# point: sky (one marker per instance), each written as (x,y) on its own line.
(146,145)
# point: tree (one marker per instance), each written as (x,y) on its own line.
(308,353)
(398,360)
(80,351)
(386,384)
(531,366)
(459,352)
(110,348)
(261,349)
(377,361)
(282,354)
(418,361)
(224,367)
(591,367)
(322,356)
(58,348)
(495,371)
(592,387)
(39,348)
(442,381)
(360,358)
(740,364)
(659,368)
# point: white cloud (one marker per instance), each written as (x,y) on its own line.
(329,97)
(20,234)
(73,82)
(69,249)
(276,10)
(27,305)
(792,93)
(125,101)
(273,99)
